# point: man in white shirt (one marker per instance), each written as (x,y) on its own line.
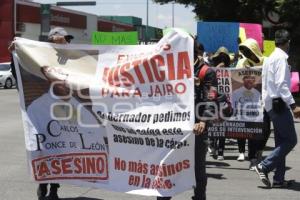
(278,102)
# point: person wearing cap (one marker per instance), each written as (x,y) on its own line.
(221,58)
(59,35)
(56,35)
(252,57)
(280,106)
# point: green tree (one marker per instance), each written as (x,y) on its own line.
(251,11)
(232,10)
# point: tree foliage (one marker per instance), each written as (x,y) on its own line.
(251,11)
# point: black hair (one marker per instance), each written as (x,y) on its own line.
(198,47)
(201,47)
(282,36)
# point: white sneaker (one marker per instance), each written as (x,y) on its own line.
(220,158)
(262,175)
(241,157)
(212,151)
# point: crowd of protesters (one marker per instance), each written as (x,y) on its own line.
(249,55)
(275,71)
(278,103)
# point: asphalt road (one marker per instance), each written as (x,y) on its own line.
(228,180)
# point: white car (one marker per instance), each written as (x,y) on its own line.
(6,78)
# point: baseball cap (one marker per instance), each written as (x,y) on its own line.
(59,31)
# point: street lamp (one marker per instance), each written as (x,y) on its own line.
(147,21)
(173,14)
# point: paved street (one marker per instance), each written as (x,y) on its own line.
(228,180)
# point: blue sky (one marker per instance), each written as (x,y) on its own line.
(159,15)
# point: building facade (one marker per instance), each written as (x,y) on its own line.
(23,19)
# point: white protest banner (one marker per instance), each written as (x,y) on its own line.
(114,117)
(243,88)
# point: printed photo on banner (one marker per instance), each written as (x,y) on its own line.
(64,138)
(113,117)
(246,95)
(243,88)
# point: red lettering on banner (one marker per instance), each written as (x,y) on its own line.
(137,70)
(171,68)
(222,73)
(157,62)
(88,166)
(169,170)
(158,69)
(184,65)
(126,77)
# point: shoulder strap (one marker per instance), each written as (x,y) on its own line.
(202,72)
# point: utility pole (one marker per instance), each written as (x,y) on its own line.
(45,21)
(15,17)
(173,14)
(147,21)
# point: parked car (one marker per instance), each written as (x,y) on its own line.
(6,78)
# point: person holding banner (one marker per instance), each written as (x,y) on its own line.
(56,35)
(246,101)
(220,59)
(279,104)
(208,103)
(205,91)
(251,57)
(57,113)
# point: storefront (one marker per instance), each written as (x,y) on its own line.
(79,24)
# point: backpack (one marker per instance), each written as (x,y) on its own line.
(202,72)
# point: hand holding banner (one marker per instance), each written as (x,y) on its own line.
(122,132)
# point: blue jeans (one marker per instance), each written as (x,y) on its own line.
(285,141)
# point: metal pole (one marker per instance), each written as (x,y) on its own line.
(15,17)
(173,14)
(45,13)
(147,22)
(76,3)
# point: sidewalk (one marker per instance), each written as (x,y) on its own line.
(228,179)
